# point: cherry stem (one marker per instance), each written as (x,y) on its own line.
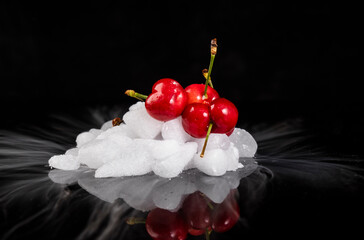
(213,54)
(132,93)
(134,220)
(206,140)
(117,121)
(207,234)
(204,73)
(209,74)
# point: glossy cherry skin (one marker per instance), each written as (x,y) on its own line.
(167,100)
(196,232)
(165,225)
(196,119)
(224,115)
(225,214)
(195,94)
(196,213)
(230,132)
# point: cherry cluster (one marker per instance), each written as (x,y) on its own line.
(203,110)
(197,216)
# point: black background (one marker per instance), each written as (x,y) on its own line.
(275,60)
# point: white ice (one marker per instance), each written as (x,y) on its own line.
(173,165)
(106,125)
(141,123)
(143,145)
(173,130)
(214,162)
(244,142)
(72,151)
(159,149)
(135,161)
(121,130)
(100,151)
(84,138)
(64,162)
(215,141)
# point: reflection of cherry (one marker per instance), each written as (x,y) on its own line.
(226,214)
(197,216)
(197,213)
(196,232)
(165,225)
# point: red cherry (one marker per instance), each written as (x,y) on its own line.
(196,213)
(197,116)
(165,225)
(195,94)
(230,132)
(224,115)
(167,100)
(196,232)
(225,214)
(196,119)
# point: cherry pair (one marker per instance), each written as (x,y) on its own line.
(198,216)
(202,214)
(212,111)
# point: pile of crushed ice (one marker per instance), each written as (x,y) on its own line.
(143,144)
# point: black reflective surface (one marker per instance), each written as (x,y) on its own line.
(291,189)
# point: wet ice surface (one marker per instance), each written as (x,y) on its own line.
(292,191)
(134,148)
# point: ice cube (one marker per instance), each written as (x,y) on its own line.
(173,129)
(173,165)
(137,106)
(214,162)
(244,142)
(95,131)
(159,149)
(106,125)
(216,140)
(137,161)
(233,158)
(100,151)
(121,130)
(141,123)
(84,138)
(64,162)
(72,151)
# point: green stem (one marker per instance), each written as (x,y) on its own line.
(207,201)
(132,93)
(204,72)
(210,83)
(206,139)
(134,220)
(209,73)
(207,234)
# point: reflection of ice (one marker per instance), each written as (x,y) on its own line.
(150,191)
